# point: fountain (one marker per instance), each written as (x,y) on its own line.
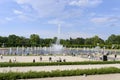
(57,48)
(10,50)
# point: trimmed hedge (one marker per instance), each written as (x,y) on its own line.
(6,64)
(56,73)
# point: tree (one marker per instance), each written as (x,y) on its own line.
(111,39)
(64,42)
(55,39)
(94,40)
(80,41)
(71,41)
(3,40)
(48,41)
(13,40)
(34,39)
(88,41)
(118,39)
(24,41)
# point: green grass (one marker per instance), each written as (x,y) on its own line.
(56,73)
(6,64)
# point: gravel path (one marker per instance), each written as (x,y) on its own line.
(90,77)
(64,67)
(44,58)
(50,68)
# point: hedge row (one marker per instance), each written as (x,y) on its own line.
(6,64)
(56,73)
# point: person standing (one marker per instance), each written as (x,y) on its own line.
(115,56)
(40,58)
(1,56)
(50,58)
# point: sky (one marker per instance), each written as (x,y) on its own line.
(77,18)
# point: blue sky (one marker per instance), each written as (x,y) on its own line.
(78,18)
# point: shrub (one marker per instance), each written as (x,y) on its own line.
(56,73)
(5,64)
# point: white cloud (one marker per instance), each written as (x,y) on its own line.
(51,8)
(104,19)
(18,12)
(45,7)
(21,1)
(8,19)
(85,3)
(59,11)
(24,16)
(99,20)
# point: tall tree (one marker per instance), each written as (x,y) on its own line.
(13,40)
(88,41)
(111,39)
(34,39)
(94,40)
(79,41)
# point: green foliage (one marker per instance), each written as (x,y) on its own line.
(34,40)
(6,64)
(56,73)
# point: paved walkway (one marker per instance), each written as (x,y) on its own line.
(44,58)
(50,68)
(89,77)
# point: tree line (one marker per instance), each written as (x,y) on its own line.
(113,41)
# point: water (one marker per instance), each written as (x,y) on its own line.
(57,48)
